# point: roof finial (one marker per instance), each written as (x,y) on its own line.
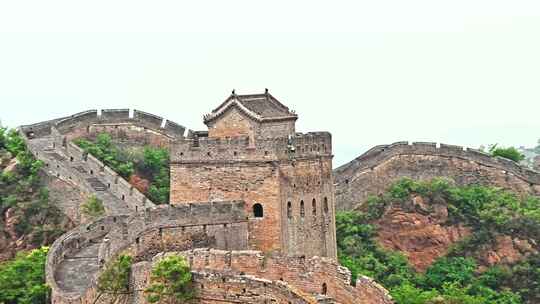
(265,90)
(233,92)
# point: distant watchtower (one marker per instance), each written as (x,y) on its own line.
(251,152)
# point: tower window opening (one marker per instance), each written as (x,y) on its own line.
(324,289)
(302,209)
(325,205)
(314,207)
(289,209)
(258,211)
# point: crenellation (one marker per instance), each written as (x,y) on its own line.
(114,115)
(173,128)
(238,149)
(83,118)
(148,120)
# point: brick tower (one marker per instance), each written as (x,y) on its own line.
(251,152)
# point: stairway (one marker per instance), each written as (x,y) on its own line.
(71,170)
(75,273)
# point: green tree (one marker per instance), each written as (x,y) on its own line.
(22,280)
(445,270)
(170,281)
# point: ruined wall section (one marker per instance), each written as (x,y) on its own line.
(375,170)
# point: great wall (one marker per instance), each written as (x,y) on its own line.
(373,171)
(217,184)
(226,268)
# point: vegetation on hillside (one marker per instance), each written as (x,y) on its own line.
(22,280)
(454,278)
(22,194)
(171,281)
(152,164)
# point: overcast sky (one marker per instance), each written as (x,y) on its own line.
(371,72)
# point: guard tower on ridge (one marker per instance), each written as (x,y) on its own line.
(251,152)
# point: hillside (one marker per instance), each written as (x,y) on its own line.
(433,240)
(30,216)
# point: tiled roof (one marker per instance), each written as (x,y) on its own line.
(258,106)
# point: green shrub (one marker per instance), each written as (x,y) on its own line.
(152,164)
(115,277)
(170,281)
(509,153)
(93,207)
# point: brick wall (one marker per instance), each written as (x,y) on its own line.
(270,172)
(258,277)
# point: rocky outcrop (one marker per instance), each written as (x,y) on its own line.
(419,228)
(505,250)
(420,232)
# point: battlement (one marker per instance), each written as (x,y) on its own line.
(200,213)
(378,154)
(205,149)
(84,119)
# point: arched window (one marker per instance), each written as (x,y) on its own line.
(314,207)
(302,210)
(325,205)
(258,210)
(289,209)
(324,289)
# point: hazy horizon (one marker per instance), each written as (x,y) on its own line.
(463,73)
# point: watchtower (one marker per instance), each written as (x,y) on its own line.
(251,152)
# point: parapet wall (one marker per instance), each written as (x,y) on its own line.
(79,122)
(162,228)
(218,287)
(373,171)
(116,184)
(70,243)
(379,153)
(204,149)
(313,276)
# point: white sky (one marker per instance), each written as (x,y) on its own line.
(370,72)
